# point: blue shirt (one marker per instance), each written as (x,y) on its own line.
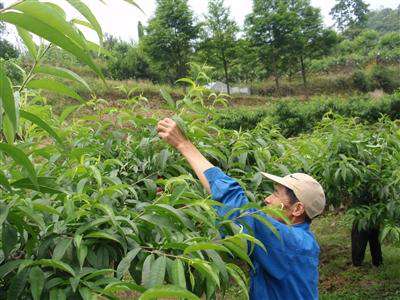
(289,270)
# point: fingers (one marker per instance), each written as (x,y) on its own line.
(161,127)
(163,135)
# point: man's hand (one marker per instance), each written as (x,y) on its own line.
(169,131)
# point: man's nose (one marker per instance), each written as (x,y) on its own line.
(268,199)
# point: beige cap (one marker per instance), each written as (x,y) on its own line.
(307,190)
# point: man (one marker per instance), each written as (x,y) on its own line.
(289,270)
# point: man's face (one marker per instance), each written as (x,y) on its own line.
(278,198)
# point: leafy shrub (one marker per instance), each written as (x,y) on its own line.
(129,62)
(13,71)
(361,81)
(385,78)
(7,50)
(295,117)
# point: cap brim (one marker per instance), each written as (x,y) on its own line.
(277,179)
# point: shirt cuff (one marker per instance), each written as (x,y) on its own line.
(212,174)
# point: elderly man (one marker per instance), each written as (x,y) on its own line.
(289,270)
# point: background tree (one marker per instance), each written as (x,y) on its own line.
(308,39)
(384,20)
(268,28)
(7,50)
(140,30)
(169,38)
(219,38)
(246,67)
(349,15)
(128,61)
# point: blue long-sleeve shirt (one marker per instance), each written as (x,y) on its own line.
(289,268)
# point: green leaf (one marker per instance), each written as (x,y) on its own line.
(51,34)
(4,209)
(54,86)
(83,23)
(168,291)
(4,182)
(7,98)
(146,270)
(67,111)
(167,97)
(205,246)
(52,16)
(157,272)
(118,286)
(42,124)
(82,253)
(28,41)
(36,279)
(103,235)
(125,263)
(238,251)
(174,212)
(204,268)
(32,215)
(8,130)
(10,266)
(17,285)
(9,238)
(87,13)
(62,73)
(61,248)
(98,273)
(44,185)
(187,80)
(97,176)
(57,294)
(247,237)
(86,294)
(178,273)
(55,264)
(238,279)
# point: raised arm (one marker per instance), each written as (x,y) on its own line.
(169,131)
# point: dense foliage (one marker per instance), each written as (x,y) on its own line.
(294,117)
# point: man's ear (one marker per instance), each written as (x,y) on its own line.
(299,209)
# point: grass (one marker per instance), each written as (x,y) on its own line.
(339,279)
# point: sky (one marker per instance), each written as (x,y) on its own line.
(120,19)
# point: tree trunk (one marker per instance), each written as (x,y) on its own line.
(227,77)
(275,71)
(304,75)
(225,63)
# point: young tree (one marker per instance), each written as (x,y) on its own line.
(350,14)
(169,38)
(219,38)
(140,30)
(384,20)
(7,50)
(268,28)
(308,38)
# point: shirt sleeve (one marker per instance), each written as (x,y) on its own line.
(228,191)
